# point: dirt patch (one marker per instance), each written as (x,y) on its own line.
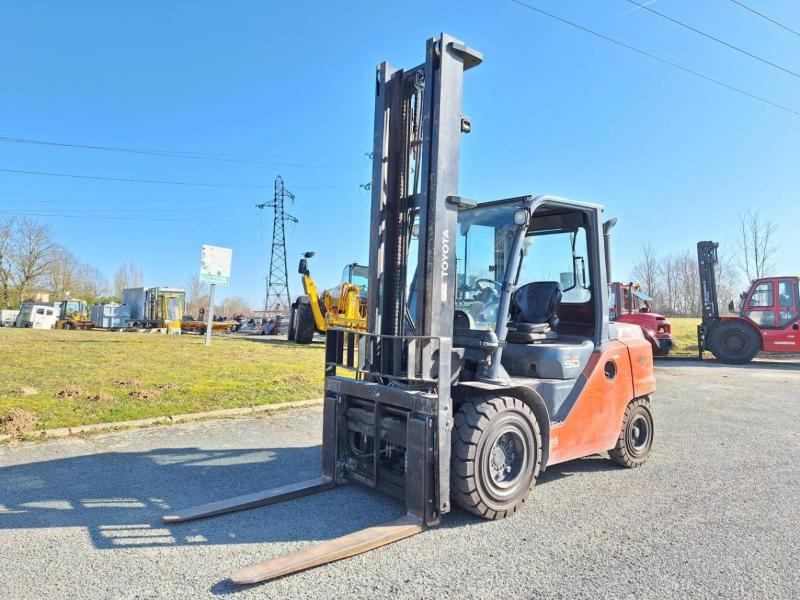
(168,386)
(27,390)
(17,422)
(70,393)
(129,383)
(99,397)
(145,394)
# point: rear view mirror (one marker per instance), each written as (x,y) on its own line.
(580,271)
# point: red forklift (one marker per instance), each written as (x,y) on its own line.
(768,319)
(629,304)
(488,355)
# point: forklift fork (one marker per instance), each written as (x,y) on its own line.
(334,472)
(344,546)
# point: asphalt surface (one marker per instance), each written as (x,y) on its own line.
(714,513)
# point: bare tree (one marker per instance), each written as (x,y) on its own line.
(646,271)
(729,282)
(68,277)
(668,271)
(60,275)
(234,306)
(756,244)
(688,284)
(128,275)
(32,252)
(196,294)
(6,265)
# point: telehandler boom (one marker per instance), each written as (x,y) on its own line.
(477,371)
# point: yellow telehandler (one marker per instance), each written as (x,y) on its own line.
(341,306)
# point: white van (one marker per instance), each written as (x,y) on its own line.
(8,317)
(37,316)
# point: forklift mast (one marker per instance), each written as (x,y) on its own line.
(416,150)
(706,263)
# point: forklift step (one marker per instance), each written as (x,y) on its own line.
(345,546)
(254,500)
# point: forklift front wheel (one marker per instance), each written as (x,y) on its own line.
(497,455)
(635,436)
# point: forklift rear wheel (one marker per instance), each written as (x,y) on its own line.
(635,436)
(290,334)
(734,344)
(304,321)
(69,326)
(497,455)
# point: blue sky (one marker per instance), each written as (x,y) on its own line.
(554,110)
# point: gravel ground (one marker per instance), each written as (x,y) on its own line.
(714,513)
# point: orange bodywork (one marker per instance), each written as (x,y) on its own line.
(593,424)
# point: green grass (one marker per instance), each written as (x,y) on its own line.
(85,377)
(684,332)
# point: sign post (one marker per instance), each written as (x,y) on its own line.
(215,268)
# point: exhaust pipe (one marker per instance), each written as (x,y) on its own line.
(607,227)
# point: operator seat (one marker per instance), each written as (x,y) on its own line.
(534,308)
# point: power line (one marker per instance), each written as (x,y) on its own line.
(111,218)
(713,38)
(765,17)
(166,153)
(658,58)
(132,180)
(164,181)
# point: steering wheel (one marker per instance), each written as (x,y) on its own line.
(479,284)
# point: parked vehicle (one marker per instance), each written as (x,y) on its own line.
(8,316)
(342,306)
(629,304)
(37,315)
(768,319)
(73,314)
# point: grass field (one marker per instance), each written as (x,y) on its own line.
(684,331)
(69,378)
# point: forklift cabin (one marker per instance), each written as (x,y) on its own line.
(488,355)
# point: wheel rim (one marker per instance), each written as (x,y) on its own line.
(506,461)
(639,434)
(734,342)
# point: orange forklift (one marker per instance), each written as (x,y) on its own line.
(488,356)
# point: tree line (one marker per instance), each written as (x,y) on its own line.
(31,262)
(673,280)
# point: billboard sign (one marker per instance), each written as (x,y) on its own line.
(215,265)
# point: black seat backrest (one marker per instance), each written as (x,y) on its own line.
(536,302)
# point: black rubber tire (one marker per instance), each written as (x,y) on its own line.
(734,343)
(480,423)
(290,334)
(304,321)
(635,436)
(69,326)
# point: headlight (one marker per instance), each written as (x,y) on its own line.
(521,216)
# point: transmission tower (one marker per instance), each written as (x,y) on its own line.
(277,298)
